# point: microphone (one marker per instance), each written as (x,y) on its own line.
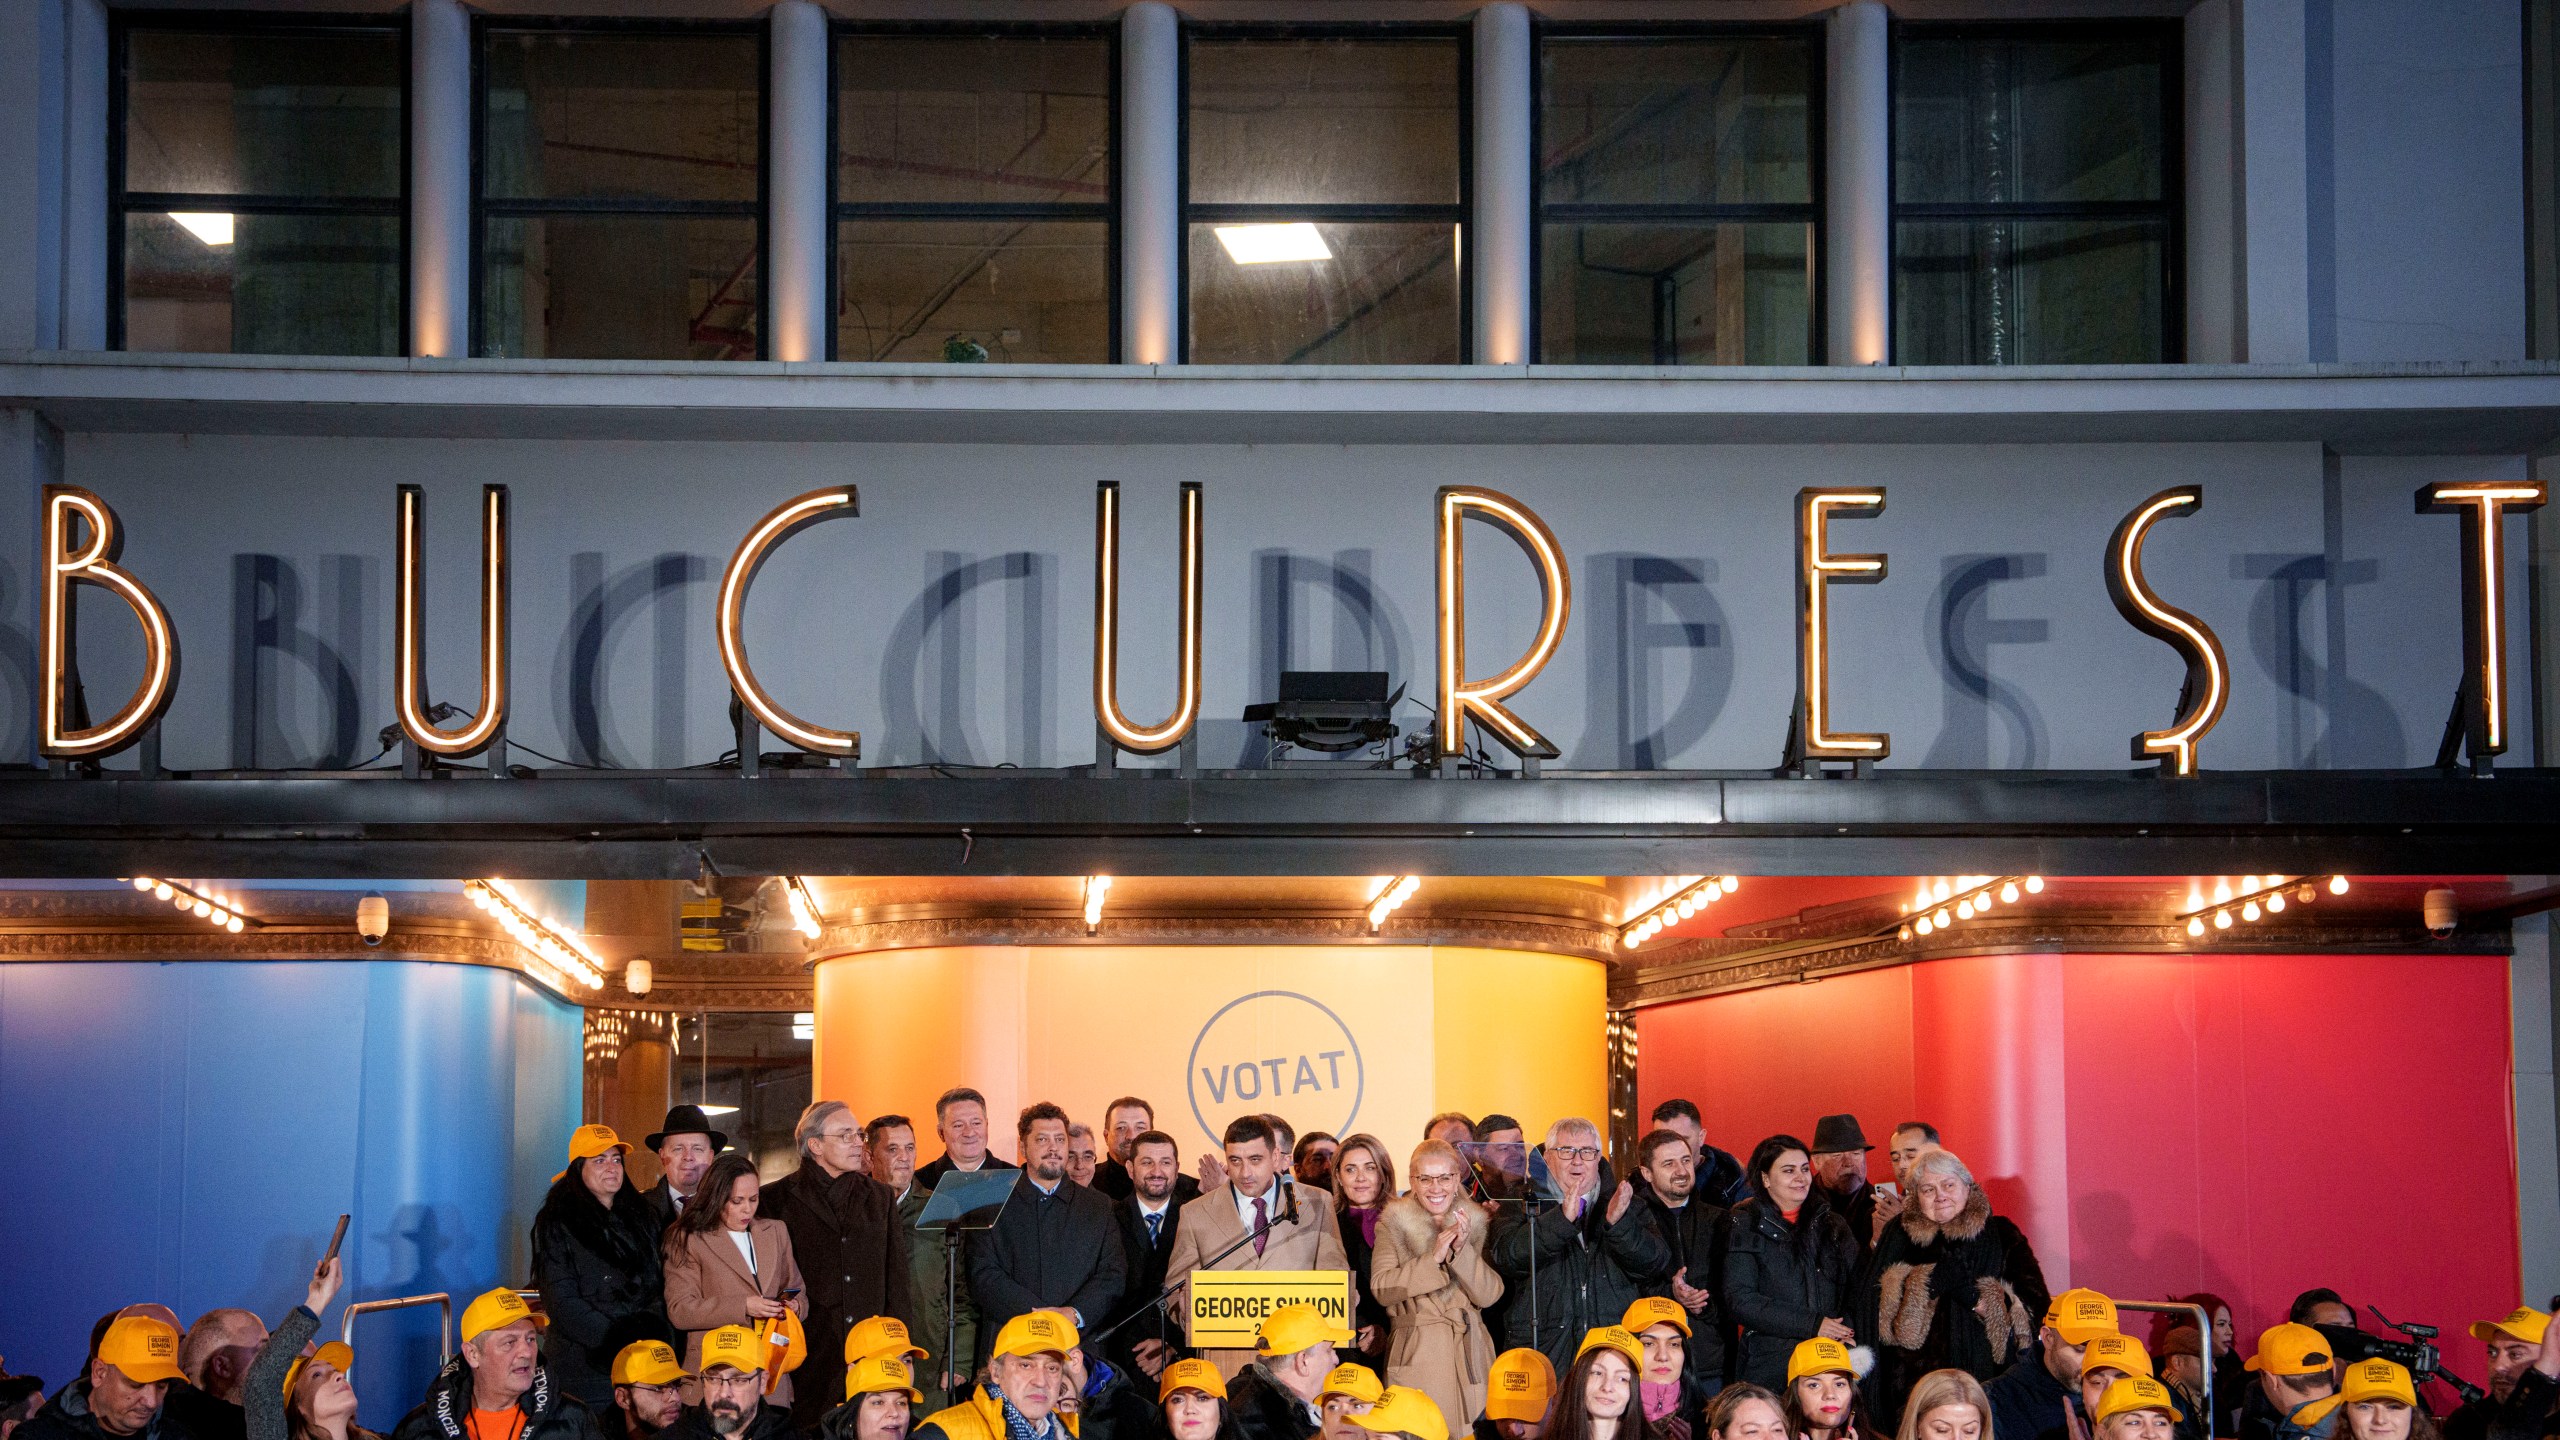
(1288,1200)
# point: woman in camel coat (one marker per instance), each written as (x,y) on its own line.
(713,1281)
(1430,1272)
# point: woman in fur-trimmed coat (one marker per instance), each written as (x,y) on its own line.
(1430,1272)
(1952,1286)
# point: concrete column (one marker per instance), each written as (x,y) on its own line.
(53,113)
(1500,233)
(439,178)
(1858,198)
(796,224)
(30,459)
(2214,305)
(2272,119)
(83,305)
(1150,184)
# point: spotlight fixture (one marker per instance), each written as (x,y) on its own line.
(1390,897)
(563,951)
(1330,711)
(216,911)
(1682,904)
(1095,888)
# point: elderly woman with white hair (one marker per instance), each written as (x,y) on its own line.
(1952,1287)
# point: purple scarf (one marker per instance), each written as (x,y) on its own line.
(1367,1215)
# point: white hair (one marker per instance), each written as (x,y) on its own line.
(1572,1125)
(1936,1161)
(815,1118)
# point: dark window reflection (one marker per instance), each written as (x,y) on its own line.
(1619,294)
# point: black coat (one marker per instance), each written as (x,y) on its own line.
(694,1421)
(2027,1403)
(1368,1311)
(1061,1249)
(1925,1292)
(1720,1178)
(444,1414)
(202,1416)
(1777,1292)
(1143,1267)
(853,1256)
(598,1272)
(66,1417)
(1265,1411)
(1588,1270)
(1694,1234)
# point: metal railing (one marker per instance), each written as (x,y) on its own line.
(2204,1342)
(440,1300)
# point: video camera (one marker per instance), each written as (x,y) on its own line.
(2417,1354)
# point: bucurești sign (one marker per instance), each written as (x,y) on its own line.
(82,539)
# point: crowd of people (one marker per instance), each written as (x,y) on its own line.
(1499,1289)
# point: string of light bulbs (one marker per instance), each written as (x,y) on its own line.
(1096,888)
(804,907)
(562,950)
(1945,902)
(1682,904)
(2256,898)
(215,910)
(1390,898)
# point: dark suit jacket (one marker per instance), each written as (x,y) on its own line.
(1056,1250)
(663,1204)
(1146,1265)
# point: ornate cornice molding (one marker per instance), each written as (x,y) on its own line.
(1583,941)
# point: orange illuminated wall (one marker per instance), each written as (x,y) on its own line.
(2249,1125)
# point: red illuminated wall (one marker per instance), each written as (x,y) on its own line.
(2250,1125)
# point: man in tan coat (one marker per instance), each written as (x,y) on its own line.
(1287,1226)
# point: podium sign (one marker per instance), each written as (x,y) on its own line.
(1228,1306)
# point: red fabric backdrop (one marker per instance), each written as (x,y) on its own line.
(2250,1125)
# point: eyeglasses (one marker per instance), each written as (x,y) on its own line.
(737,1380)
(1576,1152)
(1435,1180)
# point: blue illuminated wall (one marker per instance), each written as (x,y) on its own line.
(189,1132)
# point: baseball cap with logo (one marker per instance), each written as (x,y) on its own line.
(2364,1380)
(1520,1386)
(1197,1375)
(647,1362)
(1613,1337)
(2525,1323)
(2080,1316)
(144,1351)
(1293,1328)
(1652,1310)
(1404,1410)
(588,1141)
(1356,1381)
(1035,1332)
(2117,1352)
(1819,1357)
(735,1346)
(335,1355)
(2136,1392)
(881,1335)
(499,1308)
(882,1374)
(2291,1350)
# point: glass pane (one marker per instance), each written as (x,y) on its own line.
(620,287)
(263,284)
(1380,294)
(665,117)
(283,114)
(1675,295)
(2045,292)
(1302,121)
(1999,118)
(991,118)
(1683,122)
(1028,292)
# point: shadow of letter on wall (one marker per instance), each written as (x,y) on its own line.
(1962,639)
(1645,608)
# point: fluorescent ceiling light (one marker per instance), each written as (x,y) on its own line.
(1272,244)
(213,227)
(719,1109)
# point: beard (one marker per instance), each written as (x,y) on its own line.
(1048,1172)
(728,1417)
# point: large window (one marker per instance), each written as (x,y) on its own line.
(2035,186)
(1676,183)
(257,188)
(621,187)
(973,196)
(1325,195)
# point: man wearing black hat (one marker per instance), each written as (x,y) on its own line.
(686,1146)
(1840,1168)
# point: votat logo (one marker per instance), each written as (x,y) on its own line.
(1275,1050)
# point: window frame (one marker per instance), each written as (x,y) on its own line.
(121,25)
(1461,212)
(2170,209)
(1812,212)
(1107,210)
(483,209)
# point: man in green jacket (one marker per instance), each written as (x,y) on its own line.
(930,1257)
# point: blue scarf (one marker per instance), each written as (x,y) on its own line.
(1016,1427)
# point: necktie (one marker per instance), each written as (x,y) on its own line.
(1261,1227)
(1155,1225)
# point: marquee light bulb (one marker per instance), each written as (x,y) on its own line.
(2035,884)
(1964,909)
(2009,893)
(2221,891)
(1941,891)
(235,925)
(1943,919)
(2249,912)
(1925,925)
(2221,919)
(2275,904)
(141,882)
(2337,884)
(2195,896)
(2195,928)
(1730,883)
(160,890)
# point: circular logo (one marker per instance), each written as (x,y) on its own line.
(1275,1050)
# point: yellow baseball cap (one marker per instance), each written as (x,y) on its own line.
(1819,1357)
(2364,1380)
(2135,1392)
(1613,1337)
(2117,1352)
(498,1308)
(1293,1328)
(335,1355)
(1356,1381)
(1035,1332)
(2080,1316)
(1197,1375)
(1520,1386)
(881,1335)
(735,1346)
(2291,1350)
(1404,1410)
(880,1375)
(1652,1310)
(589,1141)
(143,1350)
(647,1362)
(2525,1323)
